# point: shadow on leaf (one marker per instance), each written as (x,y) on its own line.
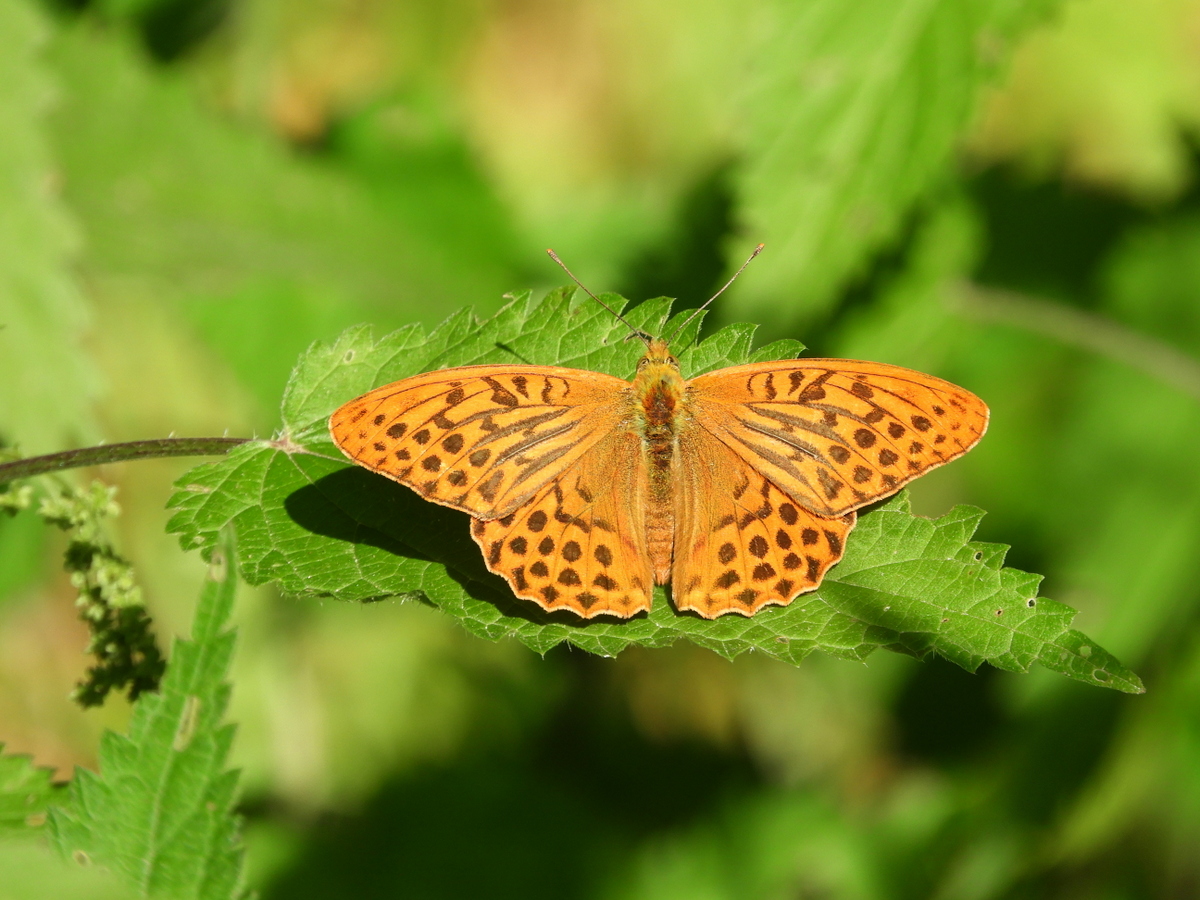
(360,507)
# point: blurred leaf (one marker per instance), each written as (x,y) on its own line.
(776,846)
(21,540)
(1151,282)
(170,191)
(260,328)
(47,386)
(25,793)
(29,871)
(909,321)
(1107,94)
(854,115)
(253,239)
(118,9)
(160,810)
(580,139)
(319,527)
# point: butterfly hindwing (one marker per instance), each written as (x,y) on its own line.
(740,542)
(580,543)
(482,439)
(837,434)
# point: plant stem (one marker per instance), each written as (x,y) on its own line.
(111,453)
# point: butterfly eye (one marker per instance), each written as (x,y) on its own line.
(672,361)
(642,363)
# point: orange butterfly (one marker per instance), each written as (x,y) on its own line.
(739,486)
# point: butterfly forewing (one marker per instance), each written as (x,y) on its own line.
(482,439)
(580,544)
(837,434)
(740,542)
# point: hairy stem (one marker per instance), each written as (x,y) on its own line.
(111,453)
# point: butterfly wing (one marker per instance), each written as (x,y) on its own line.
(579,543)
(740,542)
(481,439)
(837,434)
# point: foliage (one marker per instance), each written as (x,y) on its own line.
(159,811)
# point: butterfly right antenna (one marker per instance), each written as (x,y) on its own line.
(641,334)
(704,306)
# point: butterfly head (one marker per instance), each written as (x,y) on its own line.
(658,386)
(657,354)
(657,371)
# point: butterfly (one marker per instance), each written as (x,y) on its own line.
(739,487)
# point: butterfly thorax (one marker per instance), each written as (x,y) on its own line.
(658,390)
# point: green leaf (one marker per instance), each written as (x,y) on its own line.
(159,812)
(854,116)
(25,793)
(321,527)
(47,386)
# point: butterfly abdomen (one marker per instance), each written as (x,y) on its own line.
(659,389)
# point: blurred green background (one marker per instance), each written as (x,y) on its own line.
(1002,193)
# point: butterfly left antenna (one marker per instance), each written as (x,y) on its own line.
(641,334)
(704,306)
